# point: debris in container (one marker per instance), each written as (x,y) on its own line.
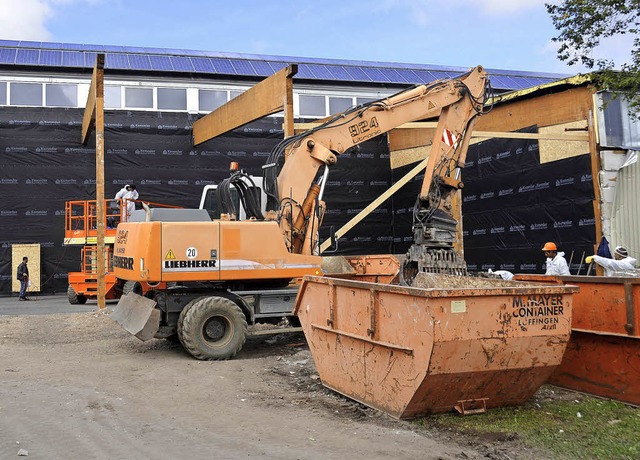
(438,281)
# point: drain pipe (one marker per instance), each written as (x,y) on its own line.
(147,212)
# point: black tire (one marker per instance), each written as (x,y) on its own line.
(132,286)
(212,328)
(74,298)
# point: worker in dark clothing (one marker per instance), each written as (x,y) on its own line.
(23,277)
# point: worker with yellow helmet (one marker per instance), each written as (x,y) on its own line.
(556,263)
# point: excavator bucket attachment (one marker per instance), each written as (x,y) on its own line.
(467,344)
(137,315)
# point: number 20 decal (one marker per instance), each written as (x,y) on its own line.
(192,253)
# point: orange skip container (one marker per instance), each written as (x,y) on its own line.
(412,351)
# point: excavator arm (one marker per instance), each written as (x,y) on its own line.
(298,167)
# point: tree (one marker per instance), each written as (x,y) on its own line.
(582,25)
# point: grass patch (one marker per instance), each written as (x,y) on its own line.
(573,426)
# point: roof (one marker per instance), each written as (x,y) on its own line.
(164,60)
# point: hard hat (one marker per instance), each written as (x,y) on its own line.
(622,252)
(549,246)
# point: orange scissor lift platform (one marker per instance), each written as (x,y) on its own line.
(413,351)
(603,355)
(80,228)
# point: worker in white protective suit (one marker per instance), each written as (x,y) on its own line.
(621,263)
(128,194)
(556,263)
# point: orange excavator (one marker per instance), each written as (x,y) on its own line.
(224,274)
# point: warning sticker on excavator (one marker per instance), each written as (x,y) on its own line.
(170,255)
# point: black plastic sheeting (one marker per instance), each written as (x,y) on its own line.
(43,164)
(512,205)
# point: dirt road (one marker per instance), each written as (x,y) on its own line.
(78,386)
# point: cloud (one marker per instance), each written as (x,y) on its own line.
(502,7)
(25,19)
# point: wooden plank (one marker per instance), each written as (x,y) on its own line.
(551,109)
(88,119)
(405,157)
(32,251)
(595,174)
(400,139)
(288,109)
(265,98)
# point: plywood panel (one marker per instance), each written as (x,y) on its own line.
(32,251)
(552,150)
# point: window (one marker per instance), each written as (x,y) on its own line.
(138,98)
(312,106)
(62,95)
(339,104)
(112,97)
(365,100)
(3,93)
(26,94)
(210,100)
(234,94)
(172,99)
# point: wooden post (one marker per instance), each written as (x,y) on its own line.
(94,116)
(594,153)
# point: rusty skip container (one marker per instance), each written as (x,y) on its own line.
(603,355)
(412,351)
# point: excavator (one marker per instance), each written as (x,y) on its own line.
(220,275)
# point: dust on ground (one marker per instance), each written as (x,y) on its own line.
(78,386)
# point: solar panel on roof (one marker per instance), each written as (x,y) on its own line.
(243,67)
(116,61)
(8,56)
(73,47)
(181,63)
(90,59)
(393,76)
(27,56)
(48,57)
(51,45)
(72,59)
(320,71)
(304,72)
(500,82)
(160,62)
(427,77)
(139,61)
(408,75)
(277,66)
(202,65)
(223,66)
(10,42)
(375,74)
(262,68)
(339,73)
(357,73)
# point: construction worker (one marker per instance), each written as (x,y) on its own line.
(621,262)
(23,277)
(556,263)
(128,194)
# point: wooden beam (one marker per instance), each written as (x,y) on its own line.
(265,98)
(94,117)
(375,204)
(551,109)
(89,118)
(289,119)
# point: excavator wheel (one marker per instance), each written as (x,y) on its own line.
(132,286)
(212,328)
(74,298)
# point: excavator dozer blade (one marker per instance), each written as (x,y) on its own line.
(137,315)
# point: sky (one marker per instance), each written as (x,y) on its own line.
(498,34)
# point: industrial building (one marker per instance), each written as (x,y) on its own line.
(153,96)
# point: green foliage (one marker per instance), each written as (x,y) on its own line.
(570,429)
(582,24)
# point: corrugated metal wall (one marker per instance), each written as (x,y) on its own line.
(625,219)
